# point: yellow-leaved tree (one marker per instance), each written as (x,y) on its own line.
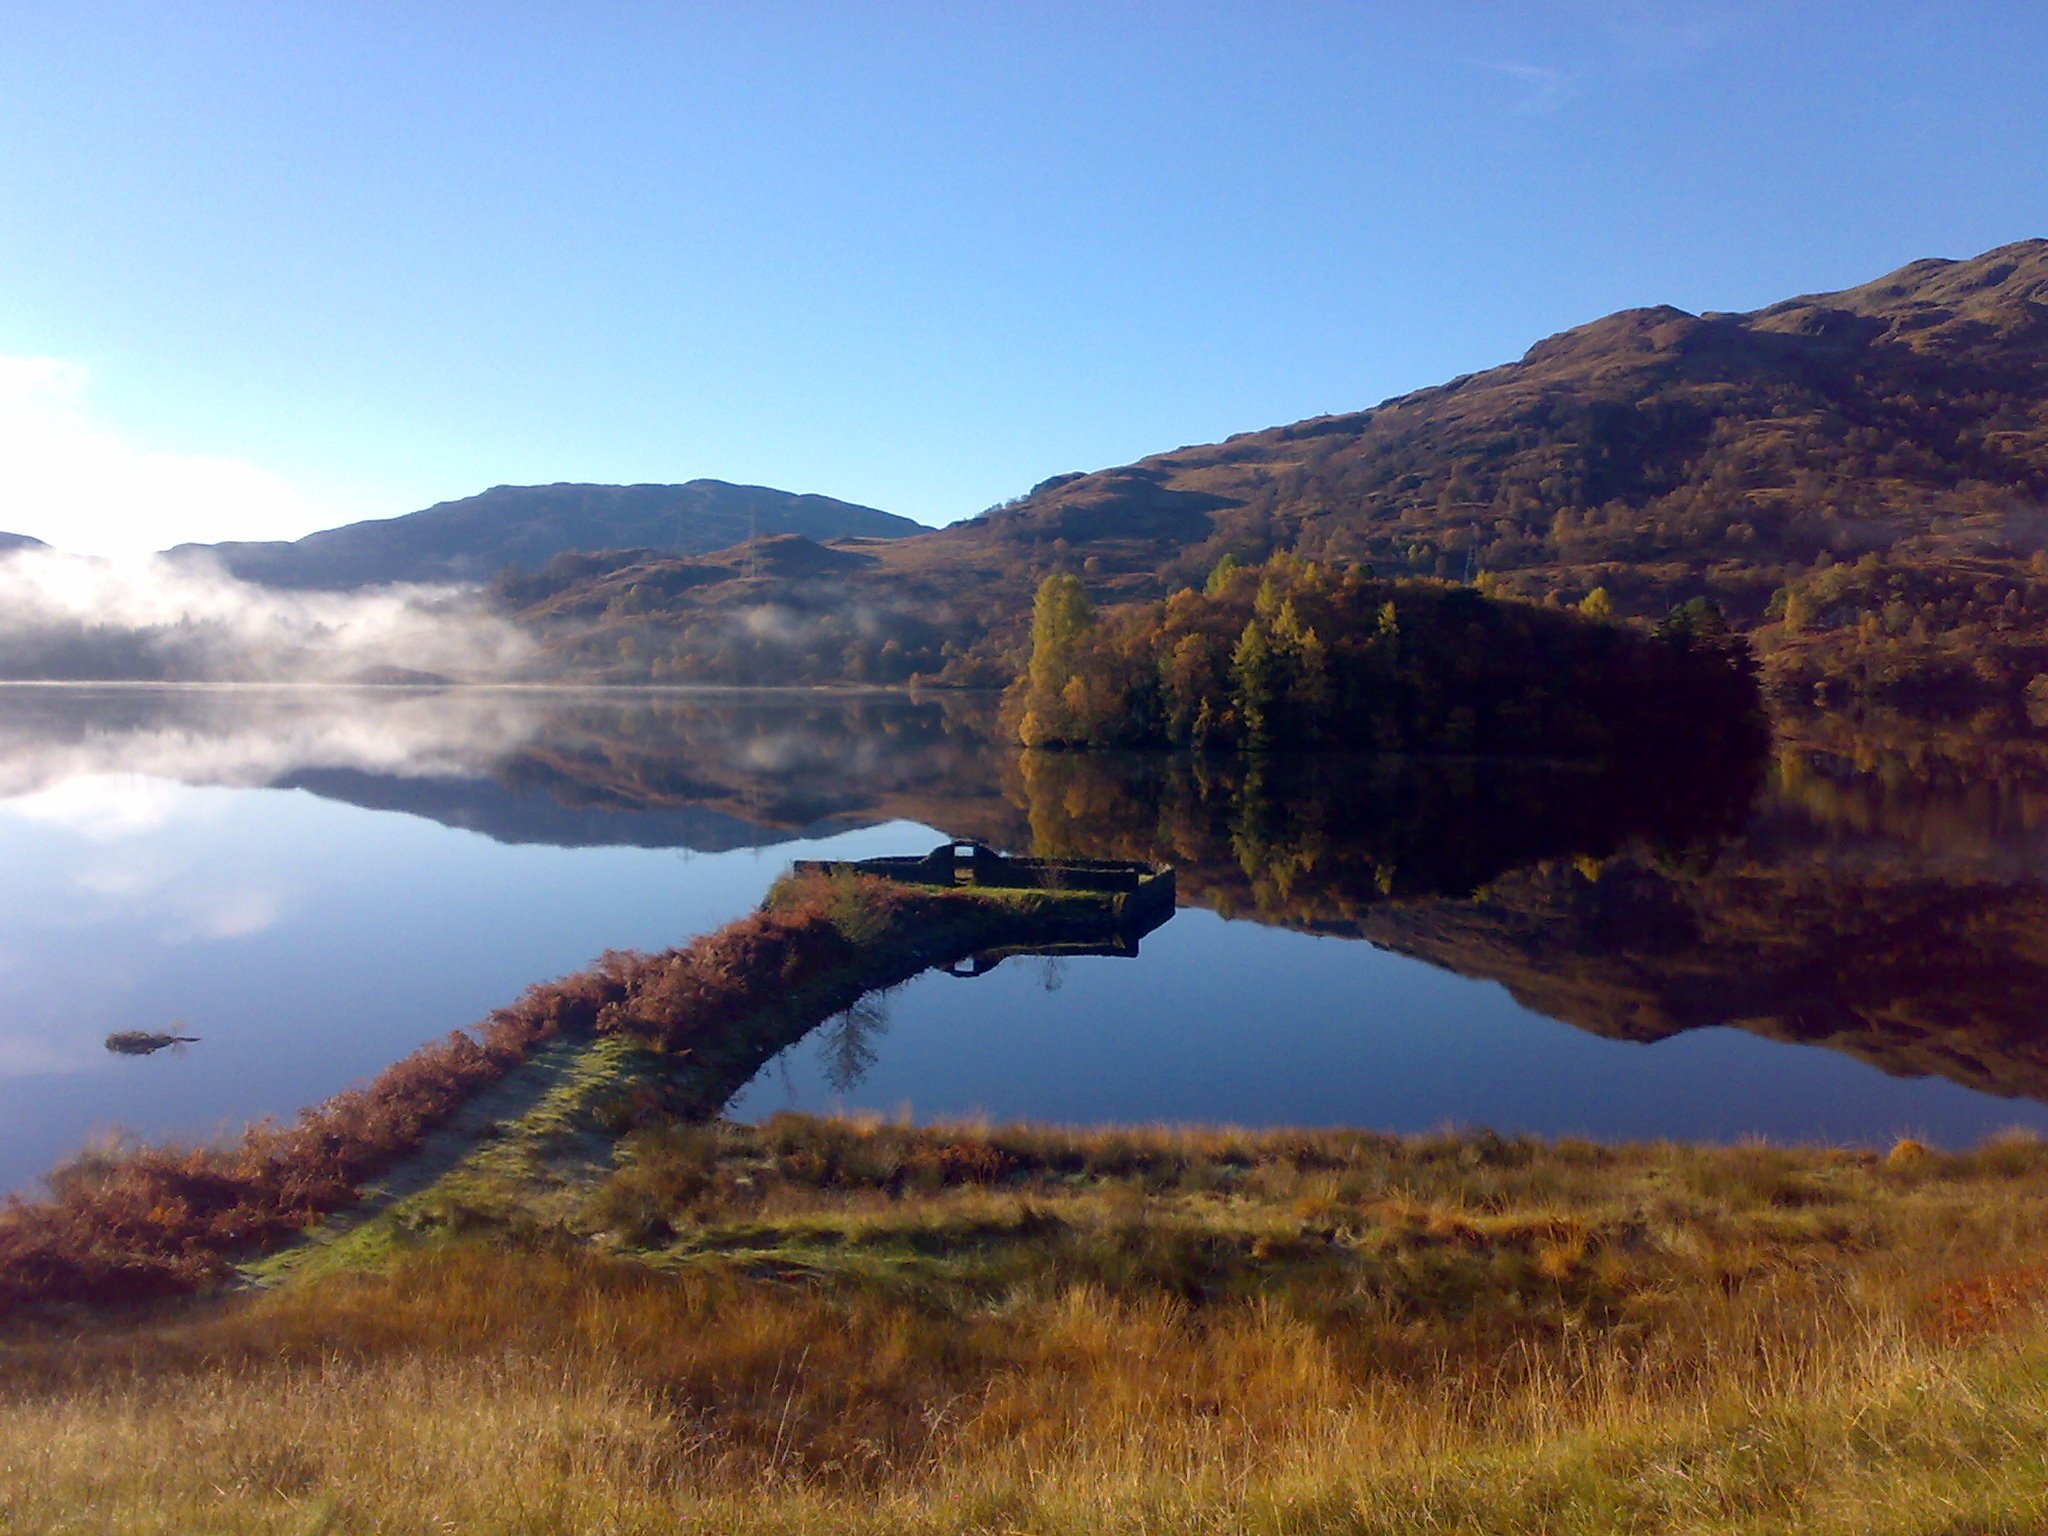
(1061,617)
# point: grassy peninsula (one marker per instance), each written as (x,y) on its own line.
(635,1038)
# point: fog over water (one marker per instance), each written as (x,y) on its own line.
(256,736)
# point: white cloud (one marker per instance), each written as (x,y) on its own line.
(73,481)
(105,808)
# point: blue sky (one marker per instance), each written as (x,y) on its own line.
(268,267)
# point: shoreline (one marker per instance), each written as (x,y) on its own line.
(153,1221)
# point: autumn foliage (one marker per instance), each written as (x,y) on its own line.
(1293,653)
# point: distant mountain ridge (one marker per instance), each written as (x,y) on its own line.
(20,541)
(1858,478)
(522,527)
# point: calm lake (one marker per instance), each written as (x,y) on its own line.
(1846,945)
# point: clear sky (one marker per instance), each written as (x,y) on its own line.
(271,266)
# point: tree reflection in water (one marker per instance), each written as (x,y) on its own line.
(846,1042)
(1888,899)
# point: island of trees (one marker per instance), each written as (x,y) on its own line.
(1293,653)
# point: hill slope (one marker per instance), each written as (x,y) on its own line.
(1681,449)
(1894,434)
(18,541)
(522,527)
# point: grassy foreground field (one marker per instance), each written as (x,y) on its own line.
(820,1326)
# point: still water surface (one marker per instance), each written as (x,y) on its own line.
(315,881)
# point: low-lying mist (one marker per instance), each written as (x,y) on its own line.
(152,618)
(248,738)
(788,759)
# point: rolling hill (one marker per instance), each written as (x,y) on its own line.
(1859,478)
(522,527)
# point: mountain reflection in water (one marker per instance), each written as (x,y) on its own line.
(707,771)
(1878,893)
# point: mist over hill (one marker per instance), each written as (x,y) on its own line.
(83,618)
(1858,478)
(522,527)
(406,599)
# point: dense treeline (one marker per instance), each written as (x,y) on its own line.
(1293,653)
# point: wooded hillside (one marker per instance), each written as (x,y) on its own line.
(1899,429)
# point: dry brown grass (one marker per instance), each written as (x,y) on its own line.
(857,1326)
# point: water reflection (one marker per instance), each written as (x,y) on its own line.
(1318,841)
(1851,904)
(706,770)
(847,1042)
(251,737)
(297,872)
